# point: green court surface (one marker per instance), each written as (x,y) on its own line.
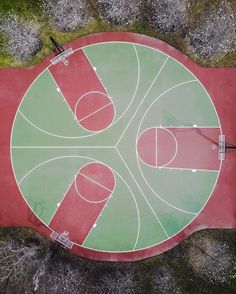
(157,191)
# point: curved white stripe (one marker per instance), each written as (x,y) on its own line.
(157,218)
(136,88)
(91,159)
(48,133)
(163,200)
(153,82)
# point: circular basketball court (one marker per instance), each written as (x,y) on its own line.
(118,148)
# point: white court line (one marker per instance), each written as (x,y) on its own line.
(64,98)
(159,197)
(56,135)
(95,71)
(181,65)
(87,200)
(95,182)
(90,201)
(91,159)
(43,163)
(96,111)
(63,198)
(156,144)
(82,136)
(162,94)
(90,131)
(40,129)
(73,114)
(170,89)
(163,53)
(166,127)
(176,147)
(156,153)
(108,95)
(172,236)
(163,65)
(97,219)
(190,169)
(86,94)
(63,147)
(138,214)
(48,133)
(143,194)
(189,127)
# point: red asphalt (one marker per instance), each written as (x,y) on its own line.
(79,69)
(95,111)
(94,184)
(220,210)
(192,148)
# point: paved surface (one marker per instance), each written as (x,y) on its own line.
(119,148)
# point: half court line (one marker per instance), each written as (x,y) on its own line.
(96,111)
(87,200)
(63,147)
(95,182)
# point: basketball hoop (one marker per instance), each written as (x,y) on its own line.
(221,147)
(60,53)
(62,57)
(62,239)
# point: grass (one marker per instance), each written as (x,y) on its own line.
(25,8)
(29,9)
(176,260)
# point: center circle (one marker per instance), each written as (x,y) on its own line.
(95,182)
(157,147)
(94,111)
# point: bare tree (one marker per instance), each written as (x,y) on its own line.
(167,15)
(67,15)
(120,12)
(41,271)
(211,259)
(23,40)
(164,281)
(216,36)
(62,278)
(16,259)
(117,283)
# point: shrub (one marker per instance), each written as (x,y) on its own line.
(23,40)
(117,282)
(164,280)
(166,15)
(211,259)
(216,36)
(67,15)
(119,12)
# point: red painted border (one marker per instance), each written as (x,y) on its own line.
(220,211)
